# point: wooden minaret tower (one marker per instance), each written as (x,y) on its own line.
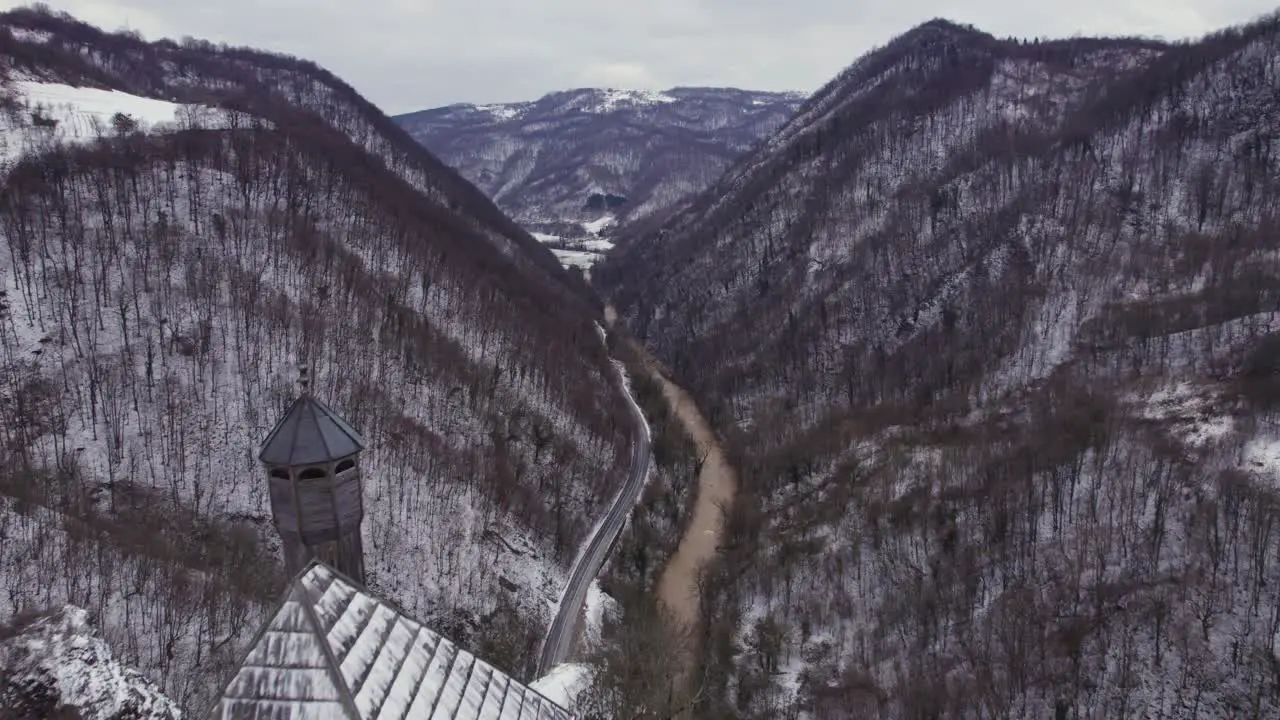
(313,473)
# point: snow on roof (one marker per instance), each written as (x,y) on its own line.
(334,650)
(309,432)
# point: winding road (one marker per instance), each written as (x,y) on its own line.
(559,639)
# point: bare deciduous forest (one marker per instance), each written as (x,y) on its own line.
(157,290)
(989,326)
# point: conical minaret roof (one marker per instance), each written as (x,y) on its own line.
(309,433)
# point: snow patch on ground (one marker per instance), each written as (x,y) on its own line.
(564,684)
(575,253)
(56,113)
(576,258)
(1261,456)
(500,112)
(1189,411)
(598,603)
(95,102)
(595,226)
(30,36)
(86,110)
(611,99)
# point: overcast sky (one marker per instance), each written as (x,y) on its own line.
(411,54)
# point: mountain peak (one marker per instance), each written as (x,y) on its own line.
(942,30)
(945,25)
(625,151)
(606,99)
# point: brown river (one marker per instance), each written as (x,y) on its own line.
(717,484)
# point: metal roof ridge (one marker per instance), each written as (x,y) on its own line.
(277,428)
(301,404)
(312,412)
(341,422)
(322,639)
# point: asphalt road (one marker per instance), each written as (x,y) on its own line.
(563,630)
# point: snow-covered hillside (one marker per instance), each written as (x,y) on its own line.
(159,282)
(577,156)
(43,115)
(991,326)
(82,112)
(54,665)
(56,48)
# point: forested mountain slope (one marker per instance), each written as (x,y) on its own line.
(992,326)
(46,46)
(571,156)
(160,280)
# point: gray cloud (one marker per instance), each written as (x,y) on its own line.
(410,54)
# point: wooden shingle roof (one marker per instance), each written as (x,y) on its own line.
(334,650)
(309,432)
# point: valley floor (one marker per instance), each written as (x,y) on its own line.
(717,485)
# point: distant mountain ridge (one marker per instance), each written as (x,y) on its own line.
(991,327)
(576,155)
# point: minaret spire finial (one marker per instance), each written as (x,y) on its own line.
(304,378)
